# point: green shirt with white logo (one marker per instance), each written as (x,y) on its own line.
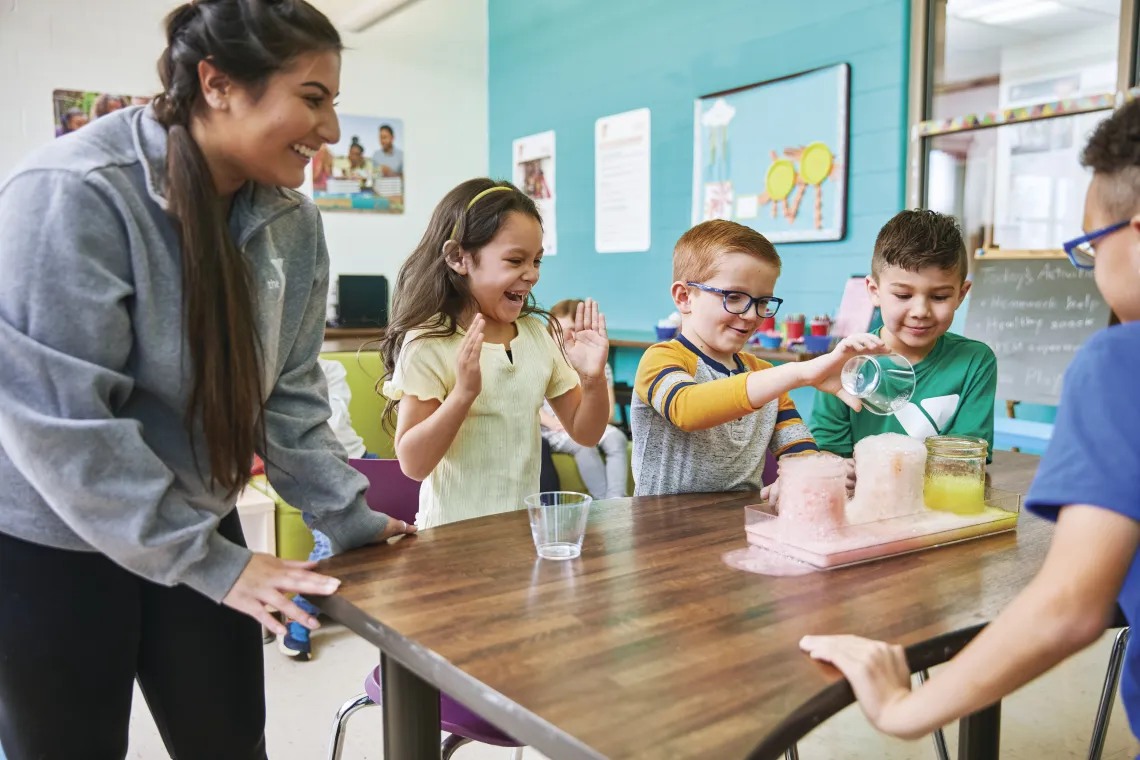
(953,395)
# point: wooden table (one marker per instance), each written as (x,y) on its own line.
(649,646)
(352,339)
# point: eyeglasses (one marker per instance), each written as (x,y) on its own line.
(736,302)
(1080,250)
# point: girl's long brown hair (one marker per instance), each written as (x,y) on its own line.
(250,41)
(429,294)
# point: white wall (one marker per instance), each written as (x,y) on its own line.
(426,65)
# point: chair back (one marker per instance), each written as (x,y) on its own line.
(389,490)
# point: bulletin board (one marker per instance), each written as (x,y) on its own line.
(774,156)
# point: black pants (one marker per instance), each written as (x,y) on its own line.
(76,630)
(548,476)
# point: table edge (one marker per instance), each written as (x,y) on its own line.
(829,701)
(531,729)
(508,716)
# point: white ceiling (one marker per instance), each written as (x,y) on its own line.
(973,49)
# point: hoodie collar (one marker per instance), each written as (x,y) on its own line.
(254,206)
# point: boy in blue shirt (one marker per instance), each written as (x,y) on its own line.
(1088,481)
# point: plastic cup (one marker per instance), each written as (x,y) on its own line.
(883,383)
(558,523)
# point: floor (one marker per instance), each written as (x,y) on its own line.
(1051,718)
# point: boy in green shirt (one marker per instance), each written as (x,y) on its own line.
(918,281)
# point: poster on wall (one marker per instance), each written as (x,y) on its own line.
(363,172)
(785,177)
(621,182)
(534,175)
(75,108)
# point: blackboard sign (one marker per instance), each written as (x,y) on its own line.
(1034,314)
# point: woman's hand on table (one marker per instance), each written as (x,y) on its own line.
(878,674)
(270,582)
(397,528)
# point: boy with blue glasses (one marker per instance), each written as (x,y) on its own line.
(1088,481)
(704,414)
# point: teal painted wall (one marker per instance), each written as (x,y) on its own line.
(561,64)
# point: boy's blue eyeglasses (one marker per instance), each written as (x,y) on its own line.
(1080,250)
(736,302)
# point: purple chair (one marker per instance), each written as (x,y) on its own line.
(395,494)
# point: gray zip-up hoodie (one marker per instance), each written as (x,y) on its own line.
(95,371)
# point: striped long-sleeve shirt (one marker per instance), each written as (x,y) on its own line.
(694,429)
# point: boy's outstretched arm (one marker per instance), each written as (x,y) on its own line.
(1063,610)
(665,382)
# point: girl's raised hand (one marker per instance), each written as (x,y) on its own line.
(468,375)
(591,347)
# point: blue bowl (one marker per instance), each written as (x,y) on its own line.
(772,342)
(817,344)
(666,333)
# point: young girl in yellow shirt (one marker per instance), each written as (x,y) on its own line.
(470,360)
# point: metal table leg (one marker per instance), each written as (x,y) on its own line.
(411,714)
(979,735)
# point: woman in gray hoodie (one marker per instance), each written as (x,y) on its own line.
(161,311)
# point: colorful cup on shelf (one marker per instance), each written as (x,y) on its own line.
(820,325)
(768,324)
(666,332)
(817,344)
(794,327)
(770,341)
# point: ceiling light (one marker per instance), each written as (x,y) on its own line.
(1006,11)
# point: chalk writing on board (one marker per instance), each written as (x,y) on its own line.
(1035,314)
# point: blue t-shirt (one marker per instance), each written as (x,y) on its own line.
(1094,458)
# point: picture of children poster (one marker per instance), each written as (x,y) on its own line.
(534,175)
(75,108)
(365,170)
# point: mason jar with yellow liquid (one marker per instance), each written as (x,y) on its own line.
(955,478)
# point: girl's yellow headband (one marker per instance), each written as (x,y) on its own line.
(488,191)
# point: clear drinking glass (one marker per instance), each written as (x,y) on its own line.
(558,522)
(884,383)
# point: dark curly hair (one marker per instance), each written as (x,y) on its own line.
(1113,152)
(912,240)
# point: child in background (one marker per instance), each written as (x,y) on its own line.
(604,480)
(1088,481)
(297,643)
(706,415)
(470,360)
(918,280)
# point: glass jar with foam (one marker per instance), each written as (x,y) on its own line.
(813,493)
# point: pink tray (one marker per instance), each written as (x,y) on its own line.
(883,538)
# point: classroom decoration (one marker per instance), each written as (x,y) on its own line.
(766,146)
(363,172)
(534,170)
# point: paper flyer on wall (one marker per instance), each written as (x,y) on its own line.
(621,182)
(534,175)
